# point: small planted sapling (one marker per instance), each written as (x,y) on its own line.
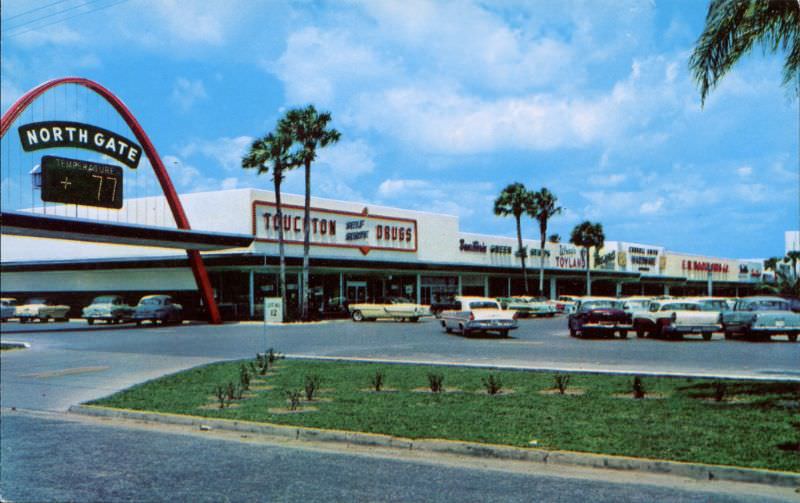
(492,384)
(435,382)
(377,380)
(311,386)
(720,389)
(294,399)
(220,392)
(561,381)
(638,388)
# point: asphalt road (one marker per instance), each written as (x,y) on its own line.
(57,458)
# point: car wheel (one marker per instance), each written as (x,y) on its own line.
(448,329)
(793,337)
(728,334)
(23,320)
(640,331)
(707,336)
(623,334)
(358,316)
(413,319)
(572,332)
(504,333)
(90,321)
(138,323)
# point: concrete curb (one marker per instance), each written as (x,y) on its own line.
(14,345)
(602,461)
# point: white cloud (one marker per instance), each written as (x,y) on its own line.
(349,159)
(651,207)
(186,92)
(744,171)
(56,35)
(226,152)
(463,199)
(607,180)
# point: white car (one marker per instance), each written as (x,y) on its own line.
(472,315)
(528,306)
(394,308)
(108,308)
(673,318)
(41,309)
(8,308)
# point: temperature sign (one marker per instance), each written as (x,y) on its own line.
(81,182)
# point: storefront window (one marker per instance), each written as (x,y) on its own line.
(438,288)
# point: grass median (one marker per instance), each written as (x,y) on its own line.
(740,423)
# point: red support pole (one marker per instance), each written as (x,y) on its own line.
(195,259)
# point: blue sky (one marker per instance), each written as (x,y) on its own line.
(441,104)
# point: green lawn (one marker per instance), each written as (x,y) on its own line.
(684,424)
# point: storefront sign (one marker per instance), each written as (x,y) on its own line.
(643,259)
(569,258)
(500,250)
(60,134)
(696,265)
(606,261)
(334,228)
(475,246)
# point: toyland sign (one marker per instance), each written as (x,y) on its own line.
(339,229)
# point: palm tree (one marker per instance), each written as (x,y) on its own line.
(588,235)
(733,27)
(793,257)
(309,129)
(554,238)
(273,148)
(544,207)
(515,200)
(771,263)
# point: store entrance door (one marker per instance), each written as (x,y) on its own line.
(356,291)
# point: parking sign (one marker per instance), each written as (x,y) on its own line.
(273,309)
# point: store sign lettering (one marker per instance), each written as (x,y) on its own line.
(694,265)
(361,231)
(500,250)
(475,246)
(570,263)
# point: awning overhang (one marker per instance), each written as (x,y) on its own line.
(74,229)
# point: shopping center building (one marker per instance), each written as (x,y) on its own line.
(358,252)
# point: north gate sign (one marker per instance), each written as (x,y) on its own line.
(333,228)
(59,134)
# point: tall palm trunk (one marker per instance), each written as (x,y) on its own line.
(588,278)
(542,237)
(306,241)
(522,254)
(281,251)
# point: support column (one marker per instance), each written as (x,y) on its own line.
(459,285)
(342,293)
(486,286)
(737,292)
(553,288)
(252,294)
(508,290)
(666,289)
(419,288)
(619,289)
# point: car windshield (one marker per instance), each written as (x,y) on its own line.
(680,306)
(765,305)
(150,302)
(636,304)
(104,299)
(399,300)
(599,304)
(713,305)
(8,302)
(483,305)
(36,300)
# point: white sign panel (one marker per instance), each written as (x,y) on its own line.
(273,309)
(341,229)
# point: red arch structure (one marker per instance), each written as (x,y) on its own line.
(195,260)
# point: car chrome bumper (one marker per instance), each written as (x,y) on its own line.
(607,326)
(491,325)
(692,329)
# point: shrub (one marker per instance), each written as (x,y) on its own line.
(311,386)
(435,382)
(561,381)
(294,399)
(720,389)
(492,384)
(377,380)
(244,377)
(638,388)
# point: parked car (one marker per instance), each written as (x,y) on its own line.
(632,305)
(566,303)
(528,306)
(8,308)
(396,308)
(442,303)
(41,309)
(674,318)
(158,308)
(108,308)
(601,316)
(472,315)
(761,317)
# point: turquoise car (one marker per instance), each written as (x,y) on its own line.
(761,317)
